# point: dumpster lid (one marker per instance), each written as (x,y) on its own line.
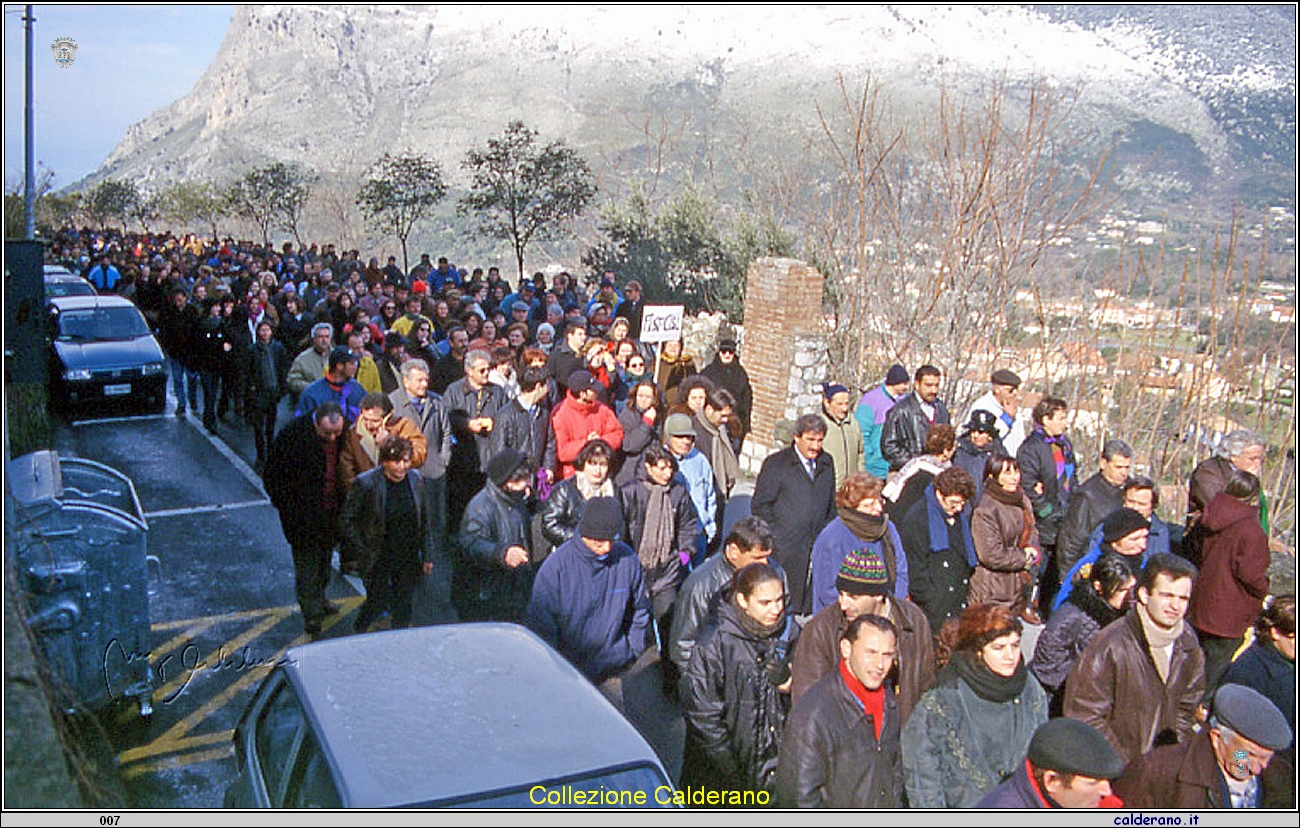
(35,478)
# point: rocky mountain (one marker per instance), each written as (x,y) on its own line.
(1201,98)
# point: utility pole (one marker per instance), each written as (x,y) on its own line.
(29,130)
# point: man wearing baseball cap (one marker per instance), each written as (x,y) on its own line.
(581,418)
(338,385)
(1068,765)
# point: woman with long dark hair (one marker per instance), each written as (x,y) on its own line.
(735,688)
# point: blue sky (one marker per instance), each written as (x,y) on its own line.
(131,60)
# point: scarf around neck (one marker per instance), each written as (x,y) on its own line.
(1015,498)
(1159,640)
(938,526)
(987,684)
(656,544)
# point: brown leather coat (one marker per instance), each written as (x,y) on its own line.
(353,460)
(818,652)
(1187,776)
(996,528)
(1115,688)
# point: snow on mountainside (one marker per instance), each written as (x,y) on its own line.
(1209,88)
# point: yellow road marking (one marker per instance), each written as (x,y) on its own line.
(274,617)
(180,760)
(209,620)
(177,738)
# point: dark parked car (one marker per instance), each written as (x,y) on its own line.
(101,350)
(60,282)
(458,715)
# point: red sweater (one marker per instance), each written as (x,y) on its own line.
(573,421)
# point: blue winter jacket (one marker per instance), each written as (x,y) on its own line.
(593,610)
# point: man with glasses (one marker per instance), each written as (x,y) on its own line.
(473,403)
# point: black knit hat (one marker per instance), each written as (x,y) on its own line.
(1070,746)
(601,520)
(897,375)
(1122,522)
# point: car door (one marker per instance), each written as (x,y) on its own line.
(282,764)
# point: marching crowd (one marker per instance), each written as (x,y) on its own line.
(516,453)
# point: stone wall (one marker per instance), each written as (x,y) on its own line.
(785,351)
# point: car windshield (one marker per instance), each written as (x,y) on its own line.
(637,786)
(68,287)
(101,325)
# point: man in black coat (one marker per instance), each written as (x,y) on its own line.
(795,494)
(567,356)
(907,423)
(177,322)
(632,308)
(1100,495)
(842,746)
(303,481)
(524,423)
(726,372)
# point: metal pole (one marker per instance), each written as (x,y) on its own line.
(29,129)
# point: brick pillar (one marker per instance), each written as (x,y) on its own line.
(783,303)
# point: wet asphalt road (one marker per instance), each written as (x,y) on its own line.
(224,609)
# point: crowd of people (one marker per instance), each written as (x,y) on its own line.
(518,454)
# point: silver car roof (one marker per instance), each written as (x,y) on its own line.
(432,713)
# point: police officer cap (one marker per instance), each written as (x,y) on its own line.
(1071,746)
(1250,714)
(981,420)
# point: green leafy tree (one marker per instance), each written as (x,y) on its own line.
(195,202)
(399,191)
(685,250)
(112,199)
(522,192)
(274,196)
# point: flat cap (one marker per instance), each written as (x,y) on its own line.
(1004,377)
(679,425)
(1250,714)
(1070,746)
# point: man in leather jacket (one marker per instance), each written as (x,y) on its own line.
(907,423)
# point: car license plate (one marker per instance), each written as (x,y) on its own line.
(117,390)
